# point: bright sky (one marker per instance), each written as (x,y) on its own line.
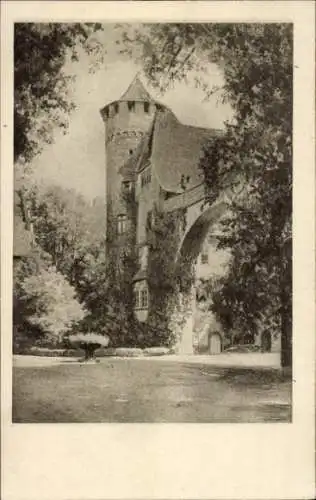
(77,160)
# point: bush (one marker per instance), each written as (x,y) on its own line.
(246,348)
(103,352)
(128,352)
(45,351)
(156,351)
(49,303)
(73,353)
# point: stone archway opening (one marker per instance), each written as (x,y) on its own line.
(192,240)
(195,336)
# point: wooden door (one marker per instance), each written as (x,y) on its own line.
(215,343)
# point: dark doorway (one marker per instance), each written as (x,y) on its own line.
(266,342)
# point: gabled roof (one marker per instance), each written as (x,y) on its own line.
(176,150)
(136,92)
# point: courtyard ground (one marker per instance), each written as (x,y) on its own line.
(177,389)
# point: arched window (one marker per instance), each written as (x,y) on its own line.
(122,223)
(146,107)
(116,108)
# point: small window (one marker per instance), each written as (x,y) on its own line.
(116,108)
(131,105)
(122,224)
(149,219)
(141,297)
(146,177)
(127,186)
(137,299)
(144,298)
(146,107)
(204,258)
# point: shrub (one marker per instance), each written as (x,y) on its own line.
(45,351)
(128,352)
(156,351)
(49,303)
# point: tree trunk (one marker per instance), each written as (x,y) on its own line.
(286,340)
(286,310)
(89,352)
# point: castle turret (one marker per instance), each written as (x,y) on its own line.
(126,121)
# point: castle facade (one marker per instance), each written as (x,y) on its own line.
(152,160)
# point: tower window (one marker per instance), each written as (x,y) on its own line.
(149,219)
(137,298)
(122,224)
(116,108)
(131,105)
(146,107)
(144,298)
(204,258)
(146,177)
(141,295)
(127,186)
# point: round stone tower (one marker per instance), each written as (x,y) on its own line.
(126,121)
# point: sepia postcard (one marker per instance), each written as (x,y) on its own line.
(158,250)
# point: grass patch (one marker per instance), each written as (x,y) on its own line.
(131,390)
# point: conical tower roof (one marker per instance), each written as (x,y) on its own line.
(136,92)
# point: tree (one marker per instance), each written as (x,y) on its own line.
(65,226)
(41,85)
(89,342)
(254,156)
(169,281)
(66,234)
(49,303)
